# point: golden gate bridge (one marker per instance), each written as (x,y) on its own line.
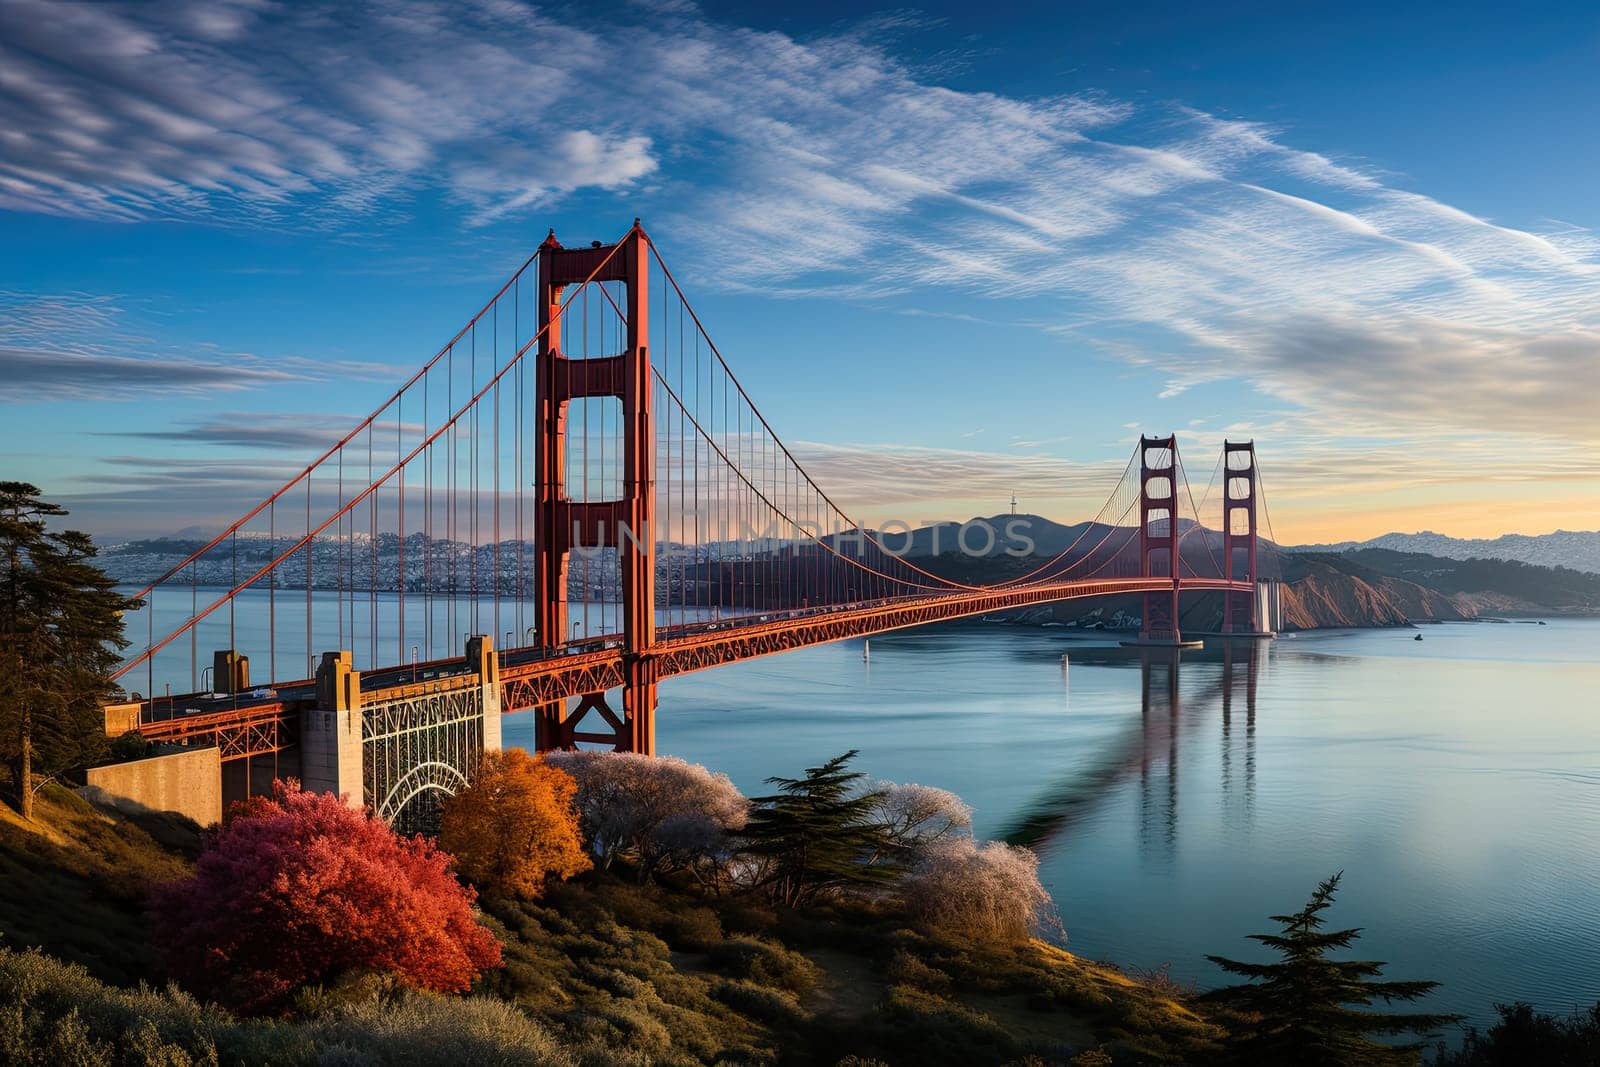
(582,440)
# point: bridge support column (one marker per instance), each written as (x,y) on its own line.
(1158,541)
(562,523)
(1242,613)
(633,730)
(330,733)
(230,672)
(480,653)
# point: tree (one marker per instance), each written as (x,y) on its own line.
(1306,1009)
(819,834)
(1524,1036)
(665,813)
(301,888)
(917,817)
(60,634)
(990,891)
(515,826)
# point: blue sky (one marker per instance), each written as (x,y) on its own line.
(951,251)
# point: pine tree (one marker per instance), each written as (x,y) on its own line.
(817,834)
(1306,1009)
(60,632)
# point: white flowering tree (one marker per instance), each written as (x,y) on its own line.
(661,812)
(915,817)
(990,890)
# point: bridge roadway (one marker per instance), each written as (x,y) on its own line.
(253,724)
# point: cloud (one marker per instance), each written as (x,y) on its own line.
(75,346)
(51,375)
(243,108)
(255,430)
(863,477)
(1210,249)
(308,435)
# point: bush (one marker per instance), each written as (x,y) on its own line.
(1523,1035)
(776,1007)
(768,964)
(305,888)
(128,746)
(917,816)
(514,827)
(416,1028)
(990,891)
(663,813)
(55,1014)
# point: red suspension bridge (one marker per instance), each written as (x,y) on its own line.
(580,471)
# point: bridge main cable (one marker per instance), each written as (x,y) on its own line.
(348,506)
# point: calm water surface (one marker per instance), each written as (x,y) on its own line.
(1455,781)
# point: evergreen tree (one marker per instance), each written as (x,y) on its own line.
(1306,1009)
(60,633)
(818,834)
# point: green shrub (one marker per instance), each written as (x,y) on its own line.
(692,929)
(774,1007)
(764,963)
(421,1029)
(58,1014)
(128,746)
(906,969)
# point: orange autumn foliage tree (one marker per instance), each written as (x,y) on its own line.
(515,827)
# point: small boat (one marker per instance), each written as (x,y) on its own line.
(1417,638)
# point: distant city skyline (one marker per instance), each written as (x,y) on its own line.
(956,254)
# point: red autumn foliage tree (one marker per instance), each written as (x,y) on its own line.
(301,888)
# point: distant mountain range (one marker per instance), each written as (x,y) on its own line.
(1577,550)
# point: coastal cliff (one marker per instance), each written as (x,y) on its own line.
(1325,596)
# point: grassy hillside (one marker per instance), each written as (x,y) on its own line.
(602,971)
(73,882)
(1556,588)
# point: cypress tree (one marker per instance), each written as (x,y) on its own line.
(60,632)
(819,834)
(1307,1009)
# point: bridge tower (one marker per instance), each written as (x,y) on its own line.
(562,524)
(1158,537)
(1239,614)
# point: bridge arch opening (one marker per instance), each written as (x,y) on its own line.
(412,805)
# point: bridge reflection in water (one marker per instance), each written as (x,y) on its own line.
(1148,752)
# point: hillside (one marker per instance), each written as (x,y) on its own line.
(1512,585)
(1576,550)
(600,971)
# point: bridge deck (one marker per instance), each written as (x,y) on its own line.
(243,724)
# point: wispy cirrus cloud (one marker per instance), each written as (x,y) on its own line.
(78,346)
(1209,248)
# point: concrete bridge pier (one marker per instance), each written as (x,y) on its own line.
(398,749)
(330,733)
(480,653)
